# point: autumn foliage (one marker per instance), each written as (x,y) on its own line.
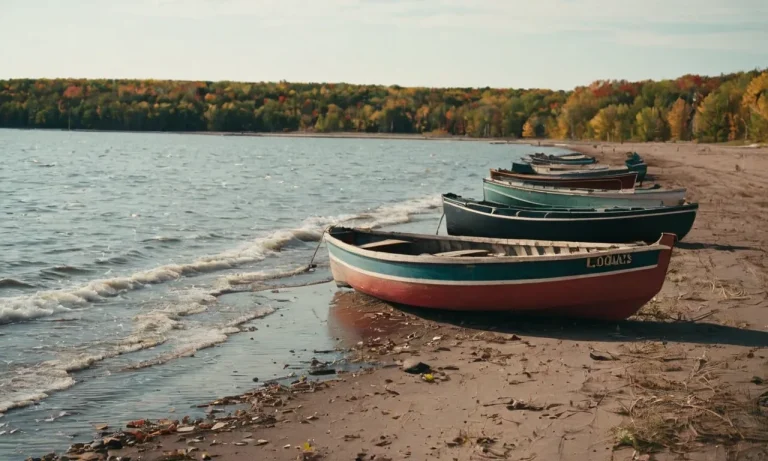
(726,107)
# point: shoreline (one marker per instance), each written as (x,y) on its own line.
(504,387)
(536,142)
(300,134)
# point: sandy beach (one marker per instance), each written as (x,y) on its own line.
(684,379)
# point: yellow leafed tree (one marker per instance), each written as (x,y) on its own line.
(578,110)
(678,119)
(610,123)
(603,123)
(529,131)
(755,104)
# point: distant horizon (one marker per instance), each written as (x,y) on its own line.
(757,68)
(547,44)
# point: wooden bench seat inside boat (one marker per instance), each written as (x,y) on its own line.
(383,243)
(476,252)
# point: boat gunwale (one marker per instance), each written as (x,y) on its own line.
(624,248)
(689,208)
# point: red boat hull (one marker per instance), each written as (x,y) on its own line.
(606,297)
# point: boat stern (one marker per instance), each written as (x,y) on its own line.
(339,276)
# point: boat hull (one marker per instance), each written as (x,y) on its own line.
(510,194)
(577,288)
(616,182)
(608,227)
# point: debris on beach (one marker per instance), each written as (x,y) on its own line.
(322,371)
(142,431)
(601,356)
(523,405)
(415,367)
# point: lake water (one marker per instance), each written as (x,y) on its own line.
(114,244)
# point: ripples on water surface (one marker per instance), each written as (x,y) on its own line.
(113,244)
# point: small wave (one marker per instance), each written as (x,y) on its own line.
(21,308)
(26,263)
(260,276)
(13,283)
(208,236)
(37,209)
(26,385)
(162,239)
(116,260)
(201,338)
(65,270)
(122,259)
(56,251)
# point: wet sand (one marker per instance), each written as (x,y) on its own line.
(683,376)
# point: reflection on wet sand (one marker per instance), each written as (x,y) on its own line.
(355,317)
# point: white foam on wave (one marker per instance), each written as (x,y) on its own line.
(28,384)
(25,385)
(201,337)
(46,303)
(246,278)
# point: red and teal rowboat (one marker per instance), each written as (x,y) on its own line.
(592,280)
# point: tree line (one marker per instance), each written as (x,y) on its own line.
(731,107)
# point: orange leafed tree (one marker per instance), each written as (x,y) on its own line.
(73,92)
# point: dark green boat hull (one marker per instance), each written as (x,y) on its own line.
(485,219)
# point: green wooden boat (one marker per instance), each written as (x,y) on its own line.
(509,193)
(473,218)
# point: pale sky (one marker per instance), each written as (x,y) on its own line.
(514,43)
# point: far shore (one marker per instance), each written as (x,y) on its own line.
(538,142)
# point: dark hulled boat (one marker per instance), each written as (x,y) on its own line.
(487,219)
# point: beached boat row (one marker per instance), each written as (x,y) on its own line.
(577,244)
